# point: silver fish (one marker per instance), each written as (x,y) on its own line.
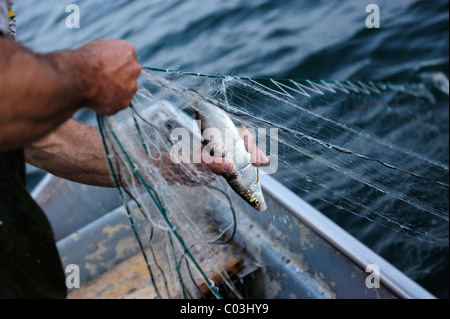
(244,178)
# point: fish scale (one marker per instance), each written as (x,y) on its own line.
(222,139)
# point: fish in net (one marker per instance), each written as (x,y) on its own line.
(326,140)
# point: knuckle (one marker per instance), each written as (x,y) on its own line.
(131,50)
(138,68)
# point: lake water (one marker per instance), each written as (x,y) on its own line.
(282,39)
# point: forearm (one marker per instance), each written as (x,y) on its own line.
(37,92)
(75,152)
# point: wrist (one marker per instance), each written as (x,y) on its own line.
(76,74)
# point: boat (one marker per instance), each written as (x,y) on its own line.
(300,254)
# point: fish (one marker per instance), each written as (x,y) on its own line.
(221,138)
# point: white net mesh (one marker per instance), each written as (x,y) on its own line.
(325,140)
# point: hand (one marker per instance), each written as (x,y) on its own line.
(220,165)
(111,72)
(196,167)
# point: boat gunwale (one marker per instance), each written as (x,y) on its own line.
(392,278)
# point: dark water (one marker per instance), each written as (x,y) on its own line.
(283,39)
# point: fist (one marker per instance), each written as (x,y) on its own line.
(111,70)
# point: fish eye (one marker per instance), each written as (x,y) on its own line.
(256,202)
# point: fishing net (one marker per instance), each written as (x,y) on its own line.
(333,142)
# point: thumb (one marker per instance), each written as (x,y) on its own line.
(218,165)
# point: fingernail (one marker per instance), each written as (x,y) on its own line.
(227,166)
(257,159)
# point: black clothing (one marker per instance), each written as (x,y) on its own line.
(30,266)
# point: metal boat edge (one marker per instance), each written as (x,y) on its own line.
(324,237)
(395,280)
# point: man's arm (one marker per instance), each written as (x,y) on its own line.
(73,151)
(38,92)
